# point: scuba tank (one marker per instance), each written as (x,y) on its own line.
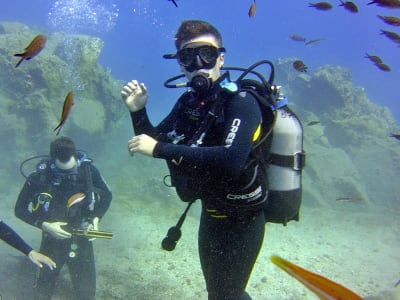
(285,165)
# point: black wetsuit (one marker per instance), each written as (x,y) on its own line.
(12,238)
(232,223)
(76,252)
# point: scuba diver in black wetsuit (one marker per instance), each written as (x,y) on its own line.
(207,142)
(8,235)
(66,192)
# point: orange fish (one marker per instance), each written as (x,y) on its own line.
(75,198)
(350,6)
(386,3)
(321,5)
(253,9)
(349,199)
(374,58)
(33,49)
(68,103)
(323,287)
(298,38)
(393,36)
(383,67)
(300,66)
(394,21)
(313,41)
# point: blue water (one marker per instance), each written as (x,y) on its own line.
(137,33)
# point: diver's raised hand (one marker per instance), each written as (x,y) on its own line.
(55,230)
(134,95)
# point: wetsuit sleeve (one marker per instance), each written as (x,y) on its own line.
(142,125)
(242,116)
(25,197)
(103,189)
(8,235)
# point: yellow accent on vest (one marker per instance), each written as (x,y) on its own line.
(257,133)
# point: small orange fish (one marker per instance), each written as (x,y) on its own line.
(374,58)
(383,67)
(300,66)
(321,5)
(350,6)
(297,38)
(312,123)
(75,198)
(253,9)
(68,103)
(33,49)
(386,3)
(349,199)
(323,287)
(313,41)
(394,21)
(393,36)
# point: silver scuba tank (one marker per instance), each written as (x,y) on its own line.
(285,165)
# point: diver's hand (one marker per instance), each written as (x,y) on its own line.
(143,144)
(55,230)
(39,259)
(134,95)
(94,226)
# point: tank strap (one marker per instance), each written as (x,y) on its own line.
(297,161)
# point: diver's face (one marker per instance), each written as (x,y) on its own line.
(199,57)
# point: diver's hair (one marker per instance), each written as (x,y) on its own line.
(190,29)
(62,149)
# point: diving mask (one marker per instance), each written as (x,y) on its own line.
(202,57)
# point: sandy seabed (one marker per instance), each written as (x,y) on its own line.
(352,243)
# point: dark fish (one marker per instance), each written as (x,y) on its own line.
(253,9)
(395,135)
(314,41)
(33,49)
(386,3)
(321,5)
(374,58)
(350,6)
(383,67)
(174,2)
(300,66)
(397,283)
(313,123)
(393,36)
(349,199)
(394,21)
(298,38)
(68,103)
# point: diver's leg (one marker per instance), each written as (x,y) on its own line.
(228,249)
(83,272)
(46,278)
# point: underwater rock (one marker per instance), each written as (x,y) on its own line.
(78,49)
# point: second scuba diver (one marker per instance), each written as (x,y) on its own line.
(65,193)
